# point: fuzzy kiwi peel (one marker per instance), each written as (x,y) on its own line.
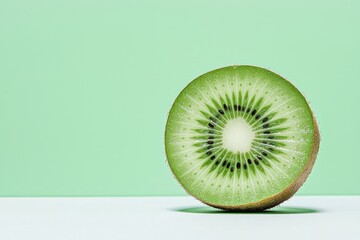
(241,138)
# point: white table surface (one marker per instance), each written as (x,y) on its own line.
(175,218)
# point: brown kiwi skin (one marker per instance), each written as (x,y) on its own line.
(280,197)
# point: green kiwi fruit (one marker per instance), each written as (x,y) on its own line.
(241,138)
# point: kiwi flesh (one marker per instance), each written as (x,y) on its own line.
(241,138)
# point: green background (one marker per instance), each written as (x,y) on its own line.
(85,86)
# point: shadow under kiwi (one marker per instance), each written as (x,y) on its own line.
(276,210)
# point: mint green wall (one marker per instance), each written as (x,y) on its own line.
(85,86)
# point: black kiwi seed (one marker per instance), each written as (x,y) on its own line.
(221,112)
(265,119)
(243,109)
(256,162)
(264,154)
(235,107)
(224,163)
(259,157)
(245,166)
(211,125)
(225,107)
(264,142)
(271,149)
(253,112)
(249,161)
(267,132)
(238,165)
(266,125)
(217,162)
(257,117)
(213,157)
(228,165)
(212,119)
(209,147)
(248,110)
(211,137)
(210,142)
(208,153)
(231,169)
(239,108)
(271,137)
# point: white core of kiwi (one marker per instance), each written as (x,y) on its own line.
(237,136)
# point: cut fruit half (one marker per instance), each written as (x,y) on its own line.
(241,138)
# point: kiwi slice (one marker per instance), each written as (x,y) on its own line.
(241,138)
